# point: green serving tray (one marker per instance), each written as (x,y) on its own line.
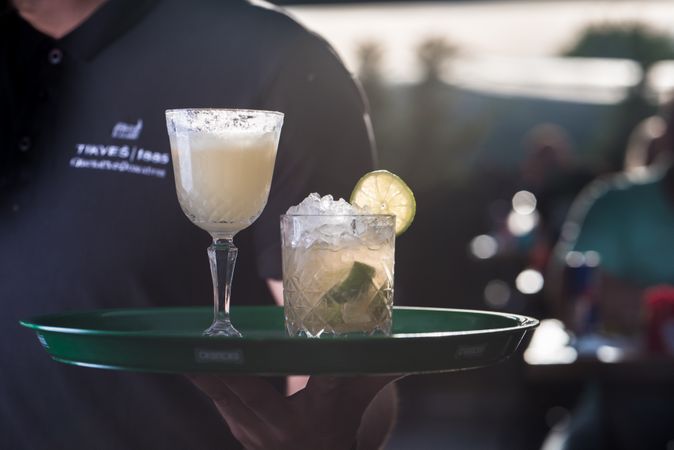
(424,340)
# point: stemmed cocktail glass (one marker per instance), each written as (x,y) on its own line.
(223,160)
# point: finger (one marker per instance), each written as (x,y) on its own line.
(213,387)
(372,382)
(378,419)
(241,420)
(348,392)
(295,383)
(262,399)
(338,403)
(365,384)
(329,382)
(324,384)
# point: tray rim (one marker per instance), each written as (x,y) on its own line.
(523,323)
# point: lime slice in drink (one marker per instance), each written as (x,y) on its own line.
(383,192)
(356,283)
(332,313)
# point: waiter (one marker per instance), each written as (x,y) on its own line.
(88,212)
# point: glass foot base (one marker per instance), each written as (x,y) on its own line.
(222,329)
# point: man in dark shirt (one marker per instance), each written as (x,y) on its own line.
(88,212)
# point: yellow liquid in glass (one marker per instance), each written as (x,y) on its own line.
(223,180)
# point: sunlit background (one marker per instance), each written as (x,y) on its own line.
(498,113)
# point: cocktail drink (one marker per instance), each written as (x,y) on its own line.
(223,162)
(337,269)
(223,182)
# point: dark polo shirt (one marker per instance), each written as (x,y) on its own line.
(88,211)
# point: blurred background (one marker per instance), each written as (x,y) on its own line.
(497,114)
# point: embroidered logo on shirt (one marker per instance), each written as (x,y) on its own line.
(127,131)
(120,158)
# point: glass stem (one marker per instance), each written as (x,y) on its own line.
(222,257)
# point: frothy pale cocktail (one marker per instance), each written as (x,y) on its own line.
(223,180)
(223,160)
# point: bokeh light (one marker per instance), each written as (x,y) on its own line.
(524,202)
(592,259)
(483,246)
(529,281)
(497,293)
(521,224)
(609,353)
(574,259)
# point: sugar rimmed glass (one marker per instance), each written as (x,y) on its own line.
(223,161)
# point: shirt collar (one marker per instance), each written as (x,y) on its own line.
(107,23)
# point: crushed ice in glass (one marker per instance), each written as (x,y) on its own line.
(332,223)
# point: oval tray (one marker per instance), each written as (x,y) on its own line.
(424,340)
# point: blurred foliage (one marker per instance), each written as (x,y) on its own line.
(423,130)
(370,55)
(640,43)
(433,53)
(635,41)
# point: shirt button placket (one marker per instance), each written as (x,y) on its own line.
(55,56)
(24,144)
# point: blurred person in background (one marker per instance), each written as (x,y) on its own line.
(624,224)
(551,173)
(628,220)
(646,145)
(89,217)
